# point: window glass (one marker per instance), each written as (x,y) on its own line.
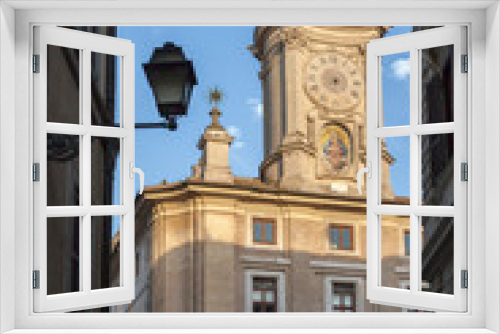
(264,231)
(257,232)
(395,267)
(63,85)
(105,252)
(437,254)
(63,252)
(407,242)
(106,85)
(106,166)
(264,294)
(63,170)
(269,232)
(341,237)
(344,297)
(346,238)
(395,82)
(437,169)
(395,155)
(437,84)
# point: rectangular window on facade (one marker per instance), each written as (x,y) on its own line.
(407,243)
(343,297)
(264,294)
(264,231)
(341,237)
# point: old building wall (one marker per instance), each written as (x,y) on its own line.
(171,238)
(219,256)
(203,252)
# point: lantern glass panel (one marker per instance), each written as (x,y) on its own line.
(168,84)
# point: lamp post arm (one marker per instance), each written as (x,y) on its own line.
(150,125)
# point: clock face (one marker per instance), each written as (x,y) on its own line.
(333,81)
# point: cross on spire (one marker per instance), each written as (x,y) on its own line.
(215,98)
(215,113)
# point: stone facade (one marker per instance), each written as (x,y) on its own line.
(202,247)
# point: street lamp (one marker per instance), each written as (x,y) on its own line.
(171,77)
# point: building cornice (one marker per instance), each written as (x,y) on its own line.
(190,188)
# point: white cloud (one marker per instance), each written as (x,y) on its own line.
(258,108)
(401,68)
(234,131)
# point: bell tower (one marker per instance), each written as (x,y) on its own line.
(314,87)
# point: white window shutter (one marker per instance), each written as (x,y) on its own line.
(419,295)
(85,297)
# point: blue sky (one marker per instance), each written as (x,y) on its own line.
(221,59)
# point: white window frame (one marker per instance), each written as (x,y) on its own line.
(360,291)
(85,297)
(280,288)
(413,44)
(484,120)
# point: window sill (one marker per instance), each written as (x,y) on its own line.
(342,252)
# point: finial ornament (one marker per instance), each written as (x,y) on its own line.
(215,95)
(215,98)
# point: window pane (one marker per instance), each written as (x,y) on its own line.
(257,232)
(346,238)
(63,170)
(395,169)
(264,283)
(105,89)
(395,83)
(269,232)
(437,84)
(407,243)
(63,85)
(335,237)
(437,254)
(269,296)
(63,255)
(105,252)
(257,296)
(395,267)
(105,171)
(437,169)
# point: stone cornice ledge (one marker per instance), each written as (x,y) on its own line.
(276,260)
(337,264)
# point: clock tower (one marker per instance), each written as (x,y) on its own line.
(314,88)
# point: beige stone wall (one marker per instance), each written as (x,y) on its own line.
(170,260)
(201,250)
